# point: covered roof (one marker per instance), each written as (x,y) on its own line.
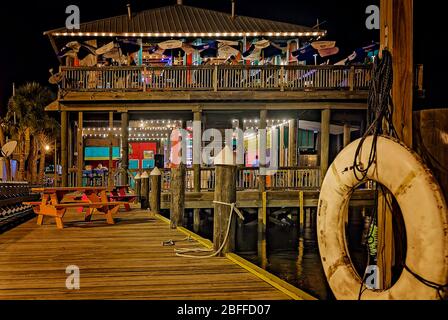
(182,20)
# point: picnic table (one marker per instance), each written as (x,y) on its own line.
(121,193)
(55,202)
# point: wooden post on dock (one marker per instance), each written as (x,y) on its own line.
(262,212)
(156,191)
(144,193)
(64,153)
(282,146)
(124,148)
(324,142)
(347,137)
(292,143)
(197,166)
(111,148)
(80,149)
(225,191)
(177,195)
(397,36)
(138,186)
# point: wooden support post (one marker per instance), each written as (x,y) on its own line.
(347,137)
(282,146)
(197,118)
(64,153)
(301,212)
(262,171)
(397,36)
(385,239)
(292,143)
(138,186)
(144,193)
(111,148)
(80,140)
(324,142)
(156,191)
(177,196)
(124,147)
(225,192)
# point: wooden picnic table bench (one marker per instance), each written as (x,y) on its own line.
(119,193)
(58,210)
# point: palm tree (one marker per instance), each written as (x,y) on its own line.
(27,109)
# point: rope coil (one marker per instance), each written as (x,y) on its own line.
(183,252)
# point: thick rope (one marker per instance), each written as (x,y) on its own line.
(184,252)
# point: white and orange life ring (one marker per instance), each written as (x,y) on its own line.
(424,212)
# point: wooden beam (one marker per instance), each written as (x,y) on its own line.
(292,143)
(64,149)
(124,147)
(397,36)
(80,164)
(197,117)
(225,191)
(282,146)
(385,239)
(355,103)
(324,142)
(111,146)
(156,190)
(177,196)
(262,172)
(347,137)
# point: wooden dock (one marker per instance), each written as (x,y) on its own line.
(121,261)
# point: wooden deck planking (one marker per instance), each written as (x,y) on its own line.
(121,261)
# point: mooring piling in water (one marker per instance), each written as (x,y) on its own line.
(138,186)
(225,192)
(144,190)
(177,196)
(156,190)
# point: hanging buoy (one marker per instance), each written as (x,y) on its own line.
(424,212)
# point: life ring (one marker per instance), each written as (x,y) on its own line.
(424,212)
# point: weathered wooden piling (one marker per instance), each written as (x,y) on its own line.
(156,190)
(225,192)
(197,166)
(177,196)
(144,193)
(138,186)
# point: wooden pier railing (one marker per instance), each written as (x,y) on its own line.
(215,78)
(247,179)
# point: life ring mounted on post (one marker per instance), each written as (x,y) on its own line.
(424,212)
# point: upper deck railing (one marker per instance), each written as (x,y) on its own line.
(216,78)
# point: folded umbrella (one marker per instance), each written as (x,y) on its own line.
(76,49)
(328,52)
(305,53)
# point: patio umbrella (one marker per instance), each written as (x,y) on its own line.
(128,46)
(77,50)
(263,48)
(328,52)
(173,48)
(227,49)
(305,53)
(321,45)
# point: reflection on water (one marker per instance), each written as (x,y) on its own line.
(285,252)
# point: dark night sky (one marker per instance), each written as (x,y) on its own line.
(26,54)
